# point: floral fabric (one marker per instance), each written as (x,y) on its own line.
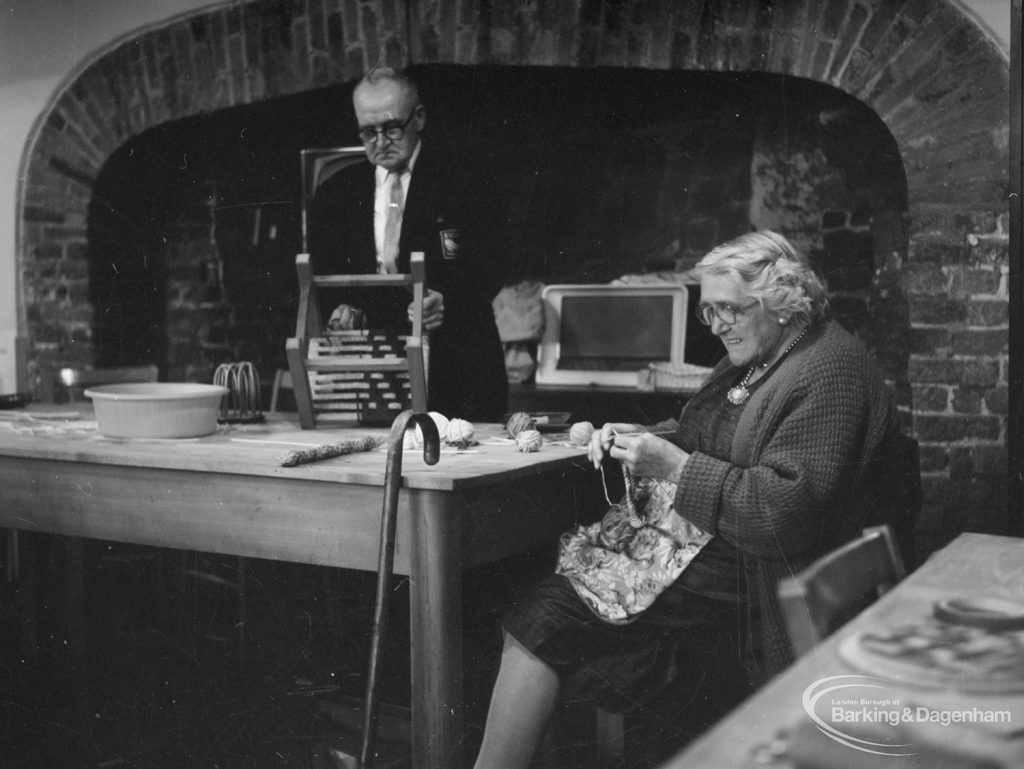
(618,568)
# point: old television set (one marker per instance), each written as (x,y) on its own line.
(603,335)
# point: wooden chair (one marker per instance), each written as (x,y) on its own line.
(282,383)
(839,585)
(317,165)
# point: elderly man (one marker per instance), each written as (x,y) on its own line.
(411,197)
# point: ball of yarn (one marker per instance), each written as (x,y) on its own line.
(518,422)
(412,439)
(580,432)
(441,421)
(528,441)
(459,431)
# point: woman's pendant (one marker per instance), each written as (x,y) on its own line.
(738,395)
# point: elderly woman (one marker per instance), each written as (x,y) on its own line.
(774,461)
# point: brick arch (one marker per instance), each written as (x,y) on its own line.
(925,69)
(930,74)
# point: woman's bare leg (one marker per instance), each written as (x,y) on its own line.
(521,705)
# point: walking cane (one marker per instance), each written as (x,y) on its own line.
(386,559)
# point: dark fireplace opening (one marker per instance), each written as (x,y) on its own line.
(194,225)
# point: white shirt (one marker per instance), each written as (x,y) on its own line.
(381,196)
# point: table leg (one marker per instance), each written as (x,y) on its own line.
(28,598)
(74,566)
(435,606)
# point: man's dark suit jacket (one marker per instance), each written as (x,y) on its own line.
(467,377)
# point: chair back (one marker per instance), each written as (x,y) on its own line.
(282,382)
(318,165)
(66,384)
(838,586)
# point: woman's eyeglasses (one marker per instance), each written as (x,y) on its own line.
(726,313)
(393,130)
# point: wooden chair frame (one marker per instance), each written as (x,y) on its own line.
(282,381)
(309,330)
(831,590)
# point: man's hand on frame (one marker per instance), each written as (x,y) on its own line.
(433,310)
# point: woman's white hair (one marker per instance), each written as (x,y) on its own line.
(772,272)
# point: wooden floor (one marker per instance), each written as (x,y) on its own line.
(156,682)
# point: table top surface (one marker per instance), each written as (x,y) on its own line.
(972,566)
(69,434)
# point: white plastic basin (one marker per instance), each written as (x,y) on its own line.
(156,409)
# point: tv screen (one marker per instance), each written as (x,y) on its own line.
(614,333)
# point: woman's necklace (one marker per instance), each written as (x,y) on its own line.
(738,395)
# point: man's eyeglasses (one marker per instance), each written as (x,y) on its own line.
(724,312)
(393,130)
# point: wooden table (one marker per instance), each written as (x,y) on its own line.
(226,493)
(973,564)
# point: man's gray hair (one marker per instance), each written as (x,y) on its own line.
(378,75)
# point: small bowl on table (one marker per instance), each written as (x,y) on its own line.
(156,409)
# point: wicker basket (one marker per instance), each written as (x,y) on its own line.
(687,377)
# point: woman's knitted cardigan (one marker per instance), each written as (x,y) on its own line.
(803,471)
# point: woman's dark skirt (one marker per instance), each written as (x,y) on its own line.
(623,667)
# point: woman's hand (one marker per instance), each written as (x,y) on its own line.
(648,456)
(601,440)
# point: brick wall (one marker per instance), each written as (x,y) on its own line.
(935,82)
(199,314)
(958,369)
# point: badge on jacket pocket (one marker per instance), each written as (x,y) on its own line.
(450,238)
